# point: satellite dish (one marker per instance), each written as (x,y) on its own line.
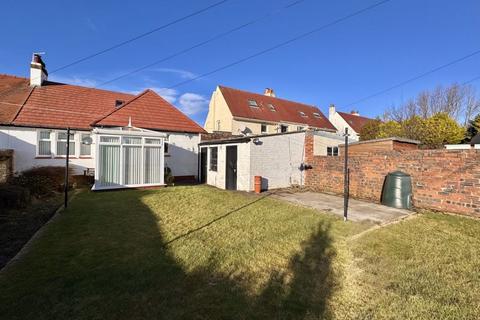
(244,130)
(87,141)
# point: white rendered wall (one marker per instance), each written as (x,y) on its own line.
(24,143)
(340,124)
(322,140)
(278,159)
(182,155)
(217,178)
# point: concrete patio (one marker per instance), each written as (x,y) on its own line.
(358,210)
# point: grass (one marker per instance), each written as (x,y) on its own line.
(202,253)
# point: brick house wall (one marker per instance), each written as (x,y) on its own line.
(6,164)
(445,180)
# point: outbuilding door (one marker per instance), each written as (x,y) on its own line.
(231,169)
(203,165)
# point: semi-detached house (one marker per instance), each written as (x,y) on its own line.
(242,112)
(125,139)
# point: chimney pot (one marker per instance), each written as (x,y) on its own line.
(269,92)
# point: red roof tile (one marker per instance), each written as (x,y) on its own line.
(58,105)
(285,110)
(13,93)
(150,111)
(354,121)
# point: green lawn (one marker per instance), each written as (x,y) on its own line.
(201,253)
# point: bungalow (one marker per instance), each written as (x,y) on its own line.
(125,139)
(240,112)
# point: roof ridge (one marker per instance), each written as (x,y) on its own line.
(13,76)
(121,107)
(359,116)
(302,103)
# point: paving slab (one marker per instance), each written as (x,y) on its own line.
(357,210)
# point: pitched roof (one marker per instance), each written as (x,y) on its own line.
(354,121)
(150,111)
(13,93)
(285,110)
(58,105)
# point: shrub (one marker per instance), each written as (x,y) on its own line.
(169,178)
(41,181)
(13,197)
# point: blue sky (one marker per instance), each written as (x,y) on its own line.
(339,65)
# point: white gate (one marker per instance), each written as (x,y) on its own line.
(128,158)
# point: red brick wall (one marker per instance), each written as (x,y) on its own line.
(446,180)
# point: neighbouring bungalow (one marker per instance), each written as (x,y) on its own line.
(125,140)
(240,112)
(353,121)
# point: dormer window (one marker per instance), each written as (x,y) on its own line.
(252,103)
(317,115)
(303,114)
(271,107)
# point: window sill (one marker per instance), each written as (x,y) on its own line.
(85,157)
(64,157)
(43,157)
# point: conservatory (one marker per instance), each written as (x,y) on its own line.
(128,157)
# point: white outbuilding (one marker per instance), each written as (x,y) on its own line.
(233,163)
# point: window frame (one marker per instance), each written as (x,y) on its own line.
(317,115)
(72,140)
(39,138)
(283,126)
(81,144)
(252,103)
(213,166)
(262,127)
(332,151)
(271,107)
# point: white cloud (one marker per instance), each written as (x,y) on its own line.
(192,103)
(168,94)
(184,74)
(84,82)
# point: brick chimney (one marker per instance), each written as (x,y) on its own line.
(269,92)
(355,113)
(38,72)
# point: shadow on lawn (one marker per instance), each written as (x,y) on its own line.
(124,270)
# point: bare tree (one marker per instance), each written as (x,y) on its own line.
(458,101)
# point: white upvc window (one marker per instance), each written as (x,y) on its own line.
(85,149)
(44,146)
(62,144)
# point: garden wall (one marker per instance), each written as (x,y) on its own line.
(6,164)
(446,180)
